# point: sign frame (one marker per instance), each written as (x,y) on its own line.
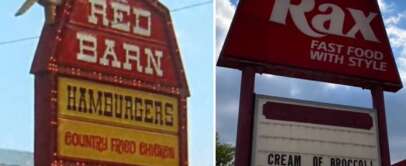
(245,114)
(46,124)
(312,105)
(47,68)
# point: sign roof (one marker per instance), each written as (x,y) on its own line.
(129,42)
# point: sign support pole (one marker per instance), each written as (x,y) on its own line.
(245,118)
(379,104)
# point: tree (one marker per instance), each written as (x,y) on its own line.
(224,153)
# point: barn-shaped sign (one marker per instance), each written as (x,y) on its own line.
(110,88)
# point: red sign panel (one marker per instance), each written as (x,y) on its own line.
(127,39)
(334,40)
(322,116)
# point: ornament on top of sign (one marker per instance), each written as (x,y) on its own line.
(123,1)
(49,7)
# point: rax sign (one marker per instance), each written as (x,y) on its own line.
(334,41)
(110,88)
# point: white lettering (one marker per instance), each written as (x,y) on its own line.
(283,7)
(87,48)
(129,49)
(118,17)
(314,44)
(331,23)
(98,7)
(142,60)
(155,60)
(110,52)
(138,29)
(328,47)
(365,53)
(368,64)
(335,20)
(362,24)
(326,57)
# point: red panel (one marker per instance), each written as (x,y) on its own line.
(255,38)
(245,118)
(314,115)
(378,101)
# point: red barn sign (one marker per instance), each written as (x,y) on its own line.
(110,86)
(334,40)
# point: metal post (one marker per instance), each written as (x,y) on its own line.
(379,104)
(245,118)
(45,136)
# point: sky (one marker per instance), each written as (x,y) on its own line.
(228,81)
(194,29)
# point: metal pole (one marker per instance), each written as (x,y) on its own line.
(245,118)
(379,104)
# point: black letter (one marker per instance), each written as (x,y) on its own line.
(290,160)
(158,113)
(129,107)
(108,104)
(71,98)
(169,114)
(138,109)
(283,159)
(316,161)
(270,156)
(82,100)
(118,106)
(95,106)
(148,107)
(277,158)
(298,160)
(344,162)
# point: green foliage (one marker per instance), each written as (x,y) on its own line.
(224,153)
